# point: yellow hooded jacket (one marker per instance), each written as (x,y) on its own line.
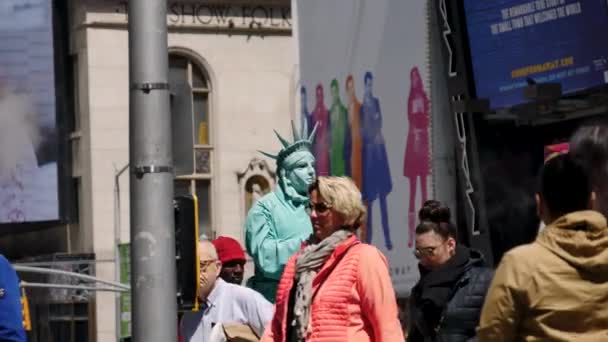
(554,289)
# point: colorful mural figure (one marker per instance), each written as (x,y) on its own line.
(353,143)
(320,116)
(377,183)
(416,161)
(338,122)
(306,116)
(277,223)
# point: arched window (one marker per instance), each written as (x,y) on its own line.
(192,136)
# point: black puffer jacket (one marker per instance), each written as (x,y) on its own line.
(461,314)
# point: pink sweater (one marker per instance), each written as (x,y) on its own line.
(354,299)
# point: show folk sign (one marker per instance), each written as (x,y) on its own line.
(268,15)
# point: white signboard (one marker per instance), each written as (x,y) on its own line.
(364,78)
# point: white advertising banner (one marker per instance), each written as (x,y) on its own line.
(364,78)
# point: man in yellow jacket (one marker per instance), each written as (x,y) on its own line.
(556,288)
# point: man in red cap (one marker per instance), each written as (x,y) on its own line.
(232,257)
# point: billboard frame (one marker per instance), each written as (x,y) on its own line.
(64,75)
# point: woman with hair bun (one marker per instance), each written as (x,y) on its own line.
(446,303)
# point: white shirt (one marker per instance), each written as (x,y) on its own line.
(227,303)
(217,334)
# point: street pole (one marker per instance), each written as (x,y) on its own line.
(153,280)
(117,233)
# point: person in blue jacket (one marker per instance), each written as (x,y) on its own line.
(11,319)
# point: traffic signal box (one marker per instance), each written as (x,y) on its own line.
(186,252)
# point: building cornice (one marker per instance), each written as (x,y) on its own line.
(264,17)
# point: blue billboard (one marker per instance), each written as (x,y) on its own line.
(548,41)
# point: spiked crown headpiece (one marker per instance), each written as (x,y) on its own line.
(300,143)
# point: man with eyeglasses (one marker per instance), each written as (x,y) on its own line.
(222,302)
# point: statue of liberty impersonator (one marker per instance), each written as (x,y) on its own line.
(277,224)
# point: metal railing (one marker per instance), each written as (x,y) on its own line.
(111,285)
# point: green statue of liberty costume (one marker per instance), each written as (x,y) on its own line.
(277,224)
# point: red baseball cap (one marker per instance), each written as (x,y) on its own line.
(228,249)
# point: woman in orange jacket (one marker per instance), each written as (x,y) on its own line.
(335,288)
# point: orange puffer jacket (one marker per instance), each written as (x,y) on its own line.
(353,298)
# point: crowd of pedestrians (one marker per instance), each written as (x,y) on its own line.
(336,288)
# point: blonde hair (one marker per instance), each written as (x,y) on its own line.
(343,196)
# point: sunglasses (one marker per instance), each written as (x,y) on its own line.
(425,251)
(319,208)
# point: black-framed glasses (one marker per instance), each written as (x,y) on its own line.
(320,208)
